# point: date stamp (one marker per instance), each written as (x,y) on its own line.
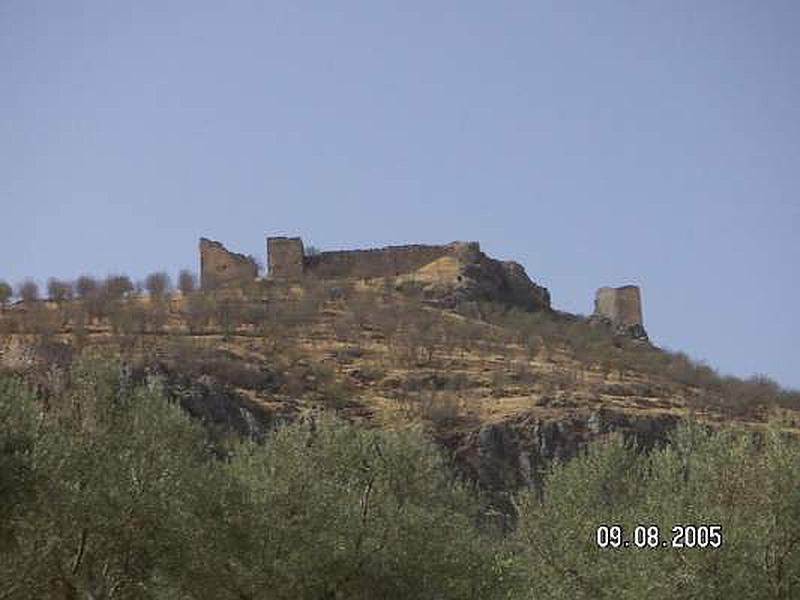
(648,537)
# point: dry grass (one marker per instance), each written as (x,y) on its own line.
(369,348)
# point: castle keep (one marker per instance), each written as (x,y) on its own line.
(287,259)
(622,307)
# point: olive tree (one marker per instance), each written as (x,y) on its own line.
(118,286)
(85,286)
(187,282)
(718,513)
(5,293)
(342,512)
(102,489)
(158,284)
(59,290)
(28,290)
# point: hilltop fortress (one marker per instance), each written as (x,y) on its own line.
(447,273)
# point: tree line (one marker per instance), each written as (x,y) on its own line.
(108,490)
(88,288)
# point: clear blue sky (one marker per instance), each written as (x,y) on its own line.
(598,143)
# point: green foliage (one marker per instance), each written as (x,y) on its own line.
(5,293)
(339,512)
(745,483)
(109,490)
(596,346)
(108,473)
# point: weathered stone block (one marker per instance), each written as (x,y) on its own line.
(220,268)
(622,306)
(285,257)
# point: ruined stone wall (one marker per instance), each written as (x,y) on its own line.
(382,262)
(285,257)
(622,306)
(220,267)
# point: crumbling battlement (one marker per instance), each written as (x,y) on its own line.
(446,274)
(382,262)
(286,259)
(219,267)
(478,276)
(622,307)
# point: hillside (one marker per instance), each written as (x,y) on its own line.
(431,434)
(504,388)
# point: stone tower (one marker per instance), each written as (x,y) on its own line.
(285,257)
(622,307)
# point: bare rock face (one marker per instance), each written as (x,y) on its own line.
(219,267)
(448,274)
(506,456)
(471,275)
(508,282)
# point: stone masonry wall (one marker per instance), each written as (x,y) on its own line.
(220,267)
(622,306)
(381,262)
(285,257)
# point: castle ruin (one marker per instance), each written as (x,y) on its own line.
(622,308)
(219,267)
(447,274)
(287,259)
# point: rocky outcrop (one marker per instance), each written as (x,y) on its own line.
(503,281)
(514,454)
(472,275)
(216,405)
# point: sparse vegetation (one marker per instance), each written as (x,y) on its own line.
(118,287)
(187,282)
(158,285)
(58,290)
(112,487)
(5,293)
(28,291)
(413,337)
(85,286)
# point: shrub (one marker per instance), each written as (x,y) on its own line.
(5,293)
(199,310)
(441,408)
(228,315)
(40,320)
(158,284)
(187,282)
(28,291)
(114,488)
(97,303)
(58,290)
(118,287)
(85,286)
(387,520)
(744,483)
